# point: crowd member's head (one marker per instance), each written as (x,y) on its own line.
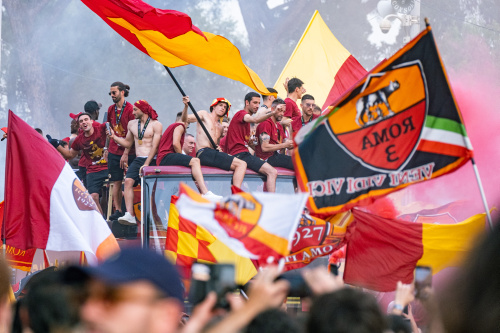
(92,108)
(271,321)
(189,143)
(5,293)
(278,107)
(137,290)
(225,126)
(74,126)
(269,98)
(252,102)
(49,303)
(295,87)
(85,122)
(317,111)
(118,91)
(307,105)
(220,106)
(470,302)
(345,310)
(39,131)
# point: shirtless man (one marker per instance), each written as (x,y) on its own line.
(145,131)
(205,152)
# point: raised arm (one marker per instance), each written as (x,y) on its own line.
(259,118)
(184,117)
(178,133)
(191,118)
(66,152)
(126,142)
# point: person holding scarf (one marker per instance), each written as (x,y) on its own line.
(145,132)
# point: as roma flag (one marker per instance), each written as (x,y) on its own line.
(399,125)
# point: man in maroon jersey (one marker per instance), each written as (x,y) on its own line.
(295,90)
(170,151)
(91,141)
(119,158)
(272,143)
(307,105)
(239,139)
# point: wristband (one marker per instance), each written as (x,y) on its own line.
(398,307)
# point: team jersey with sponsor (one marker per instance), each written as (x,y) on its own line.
(92,148)
(166,145)
(276,134)
(292,110)
(120,127)
(84,162)
(238,134)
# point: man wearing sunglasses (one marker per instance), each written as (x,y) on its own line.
(135,291)
(272,142)
(119,158)
(307,105)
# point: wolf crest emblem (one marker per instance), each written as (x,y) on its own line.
(381,128)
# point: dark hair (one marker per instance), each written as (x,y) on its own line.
(250,95)
(293,84)
(398,324)
(178,116)
(277,101)
(474,290)
(83,114)
(346,310)
(225,119)
(307,96)
(318,108)
(271,321)
(39,130)
(121,86)
(271,90)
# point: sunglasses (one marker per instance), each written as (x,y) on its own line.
(113,93)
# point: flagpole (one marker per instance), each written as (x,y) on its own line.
(192,108)
(481,190)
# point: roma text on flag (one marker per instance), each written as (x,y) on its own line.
(322,62)
(399,125)
(46,205)
(316,238)
(381,252)
(169,37)
(253,225)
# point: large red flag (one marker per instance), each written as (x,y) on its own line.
(46,206)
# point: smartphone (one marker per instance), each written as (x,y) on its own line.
(108,127)
(423,278)
(206,278)
(334,269)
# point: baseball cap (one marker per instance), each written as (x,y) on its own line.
(92,106)
(131,265)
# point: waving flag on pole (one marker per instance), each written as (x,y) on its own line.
(253,225)
(320,60)
(169,37)
(400,125)
(46,206)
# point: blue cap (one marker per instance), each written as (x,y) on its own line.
(136,264)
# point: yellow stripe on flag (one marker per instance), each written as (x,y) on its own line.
(278,244)
(316,60)
(107,248)
(445,245)
(215,54)
(244,267)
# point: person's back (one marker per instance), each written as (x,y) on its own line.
(345,311)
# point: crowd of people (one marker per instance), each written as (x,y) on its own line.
(140,291)
(258,137)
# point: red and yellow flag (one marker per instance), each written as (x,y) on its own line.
(169,37)
(381,251)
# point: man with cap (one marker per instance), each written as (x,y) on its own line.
(205,152)
(119,158)
(135,291)
(145,132)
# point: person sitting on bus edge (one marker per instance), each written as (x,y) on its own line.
(238,139)
(170,152)
(272,143)
(205,152)
(145,132)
